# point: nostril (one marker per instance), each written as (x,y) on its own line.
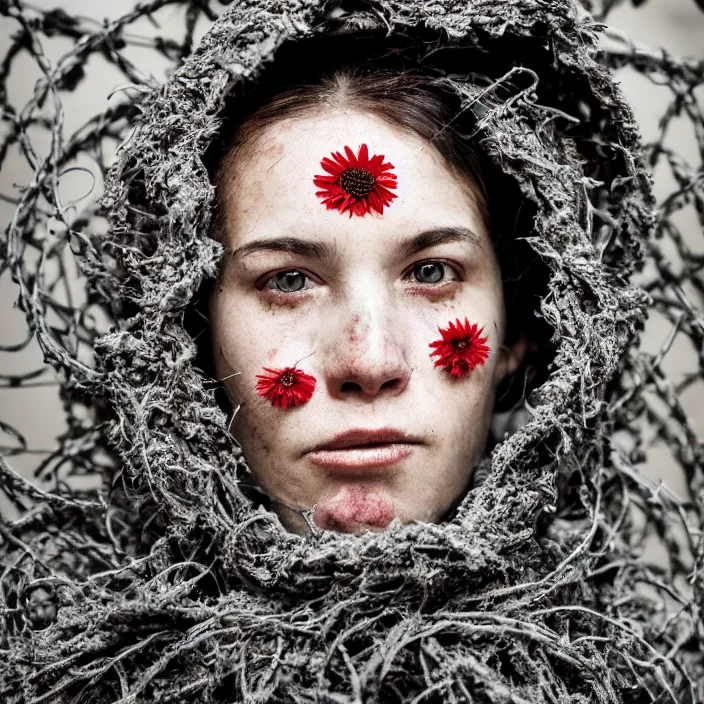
(350,386)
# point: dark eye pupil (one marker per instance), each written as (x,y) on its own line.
(430,273)
(290,281)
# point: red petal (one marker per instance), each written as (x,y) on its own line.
(332,191)
(351,158)
(387,180)
(340,162)
(375,164)
(386,196)
(331,167)
(376,202)
(458,369)
(346,202)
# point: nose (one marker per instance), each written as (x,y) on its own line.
(365,358)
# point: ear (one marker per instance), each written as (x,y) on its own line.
(510,358)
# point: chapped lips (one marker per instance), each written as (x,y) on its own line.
(359,437)
(361,450)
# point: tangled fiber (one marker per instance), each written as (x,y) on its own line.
(166,583)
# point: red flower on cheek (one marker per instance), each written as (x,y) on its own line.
(356,184)
(461,348)
(286,387)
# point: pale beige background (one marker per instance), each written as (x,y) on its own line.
(677,25)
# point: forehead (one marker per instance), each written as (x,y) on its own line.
(271,182)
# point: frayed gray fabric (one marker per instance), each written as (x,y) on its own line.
(172,587)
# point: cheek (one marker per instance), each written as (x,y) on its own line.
(484,306)
(475,308)
(243,335)
(245,339)
(247,428)
(237,348)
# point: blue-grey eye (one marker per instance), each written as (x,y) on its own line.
(429,272)
(288,281)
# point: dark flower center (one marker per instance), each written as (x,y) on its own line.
(287,379)
(357,182)
(461,344)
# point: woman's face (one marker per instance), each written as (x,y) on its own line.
(355,302)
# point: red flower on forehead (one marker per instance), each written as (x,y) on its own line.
(461,348)
(356,184)
(286,387)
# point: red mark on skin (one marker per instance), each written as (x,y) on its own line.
(352,508)
(354,330)
(272,353)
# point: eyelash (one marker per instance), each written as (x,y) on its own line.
(447,265)
(265,284)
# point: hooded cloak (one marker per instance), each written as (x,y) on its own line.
(172,586)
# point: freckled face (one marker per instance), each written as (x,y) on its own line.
(358,300)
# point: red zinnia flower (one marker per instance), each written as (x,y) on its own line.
(286,387)
(461,349)
(357,184)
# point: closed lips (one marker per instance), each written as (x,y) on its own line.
(358,438)
(363,449)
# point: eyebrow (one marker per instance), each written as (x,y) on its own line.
(292,245)
(325,250)
(441,235)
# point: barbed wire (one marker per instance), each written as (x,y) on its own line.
(43,227)
(649,407)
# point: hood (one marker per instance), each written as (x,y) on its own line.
(525,594)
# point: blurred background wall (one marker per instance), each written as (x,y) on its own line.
(675,25)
